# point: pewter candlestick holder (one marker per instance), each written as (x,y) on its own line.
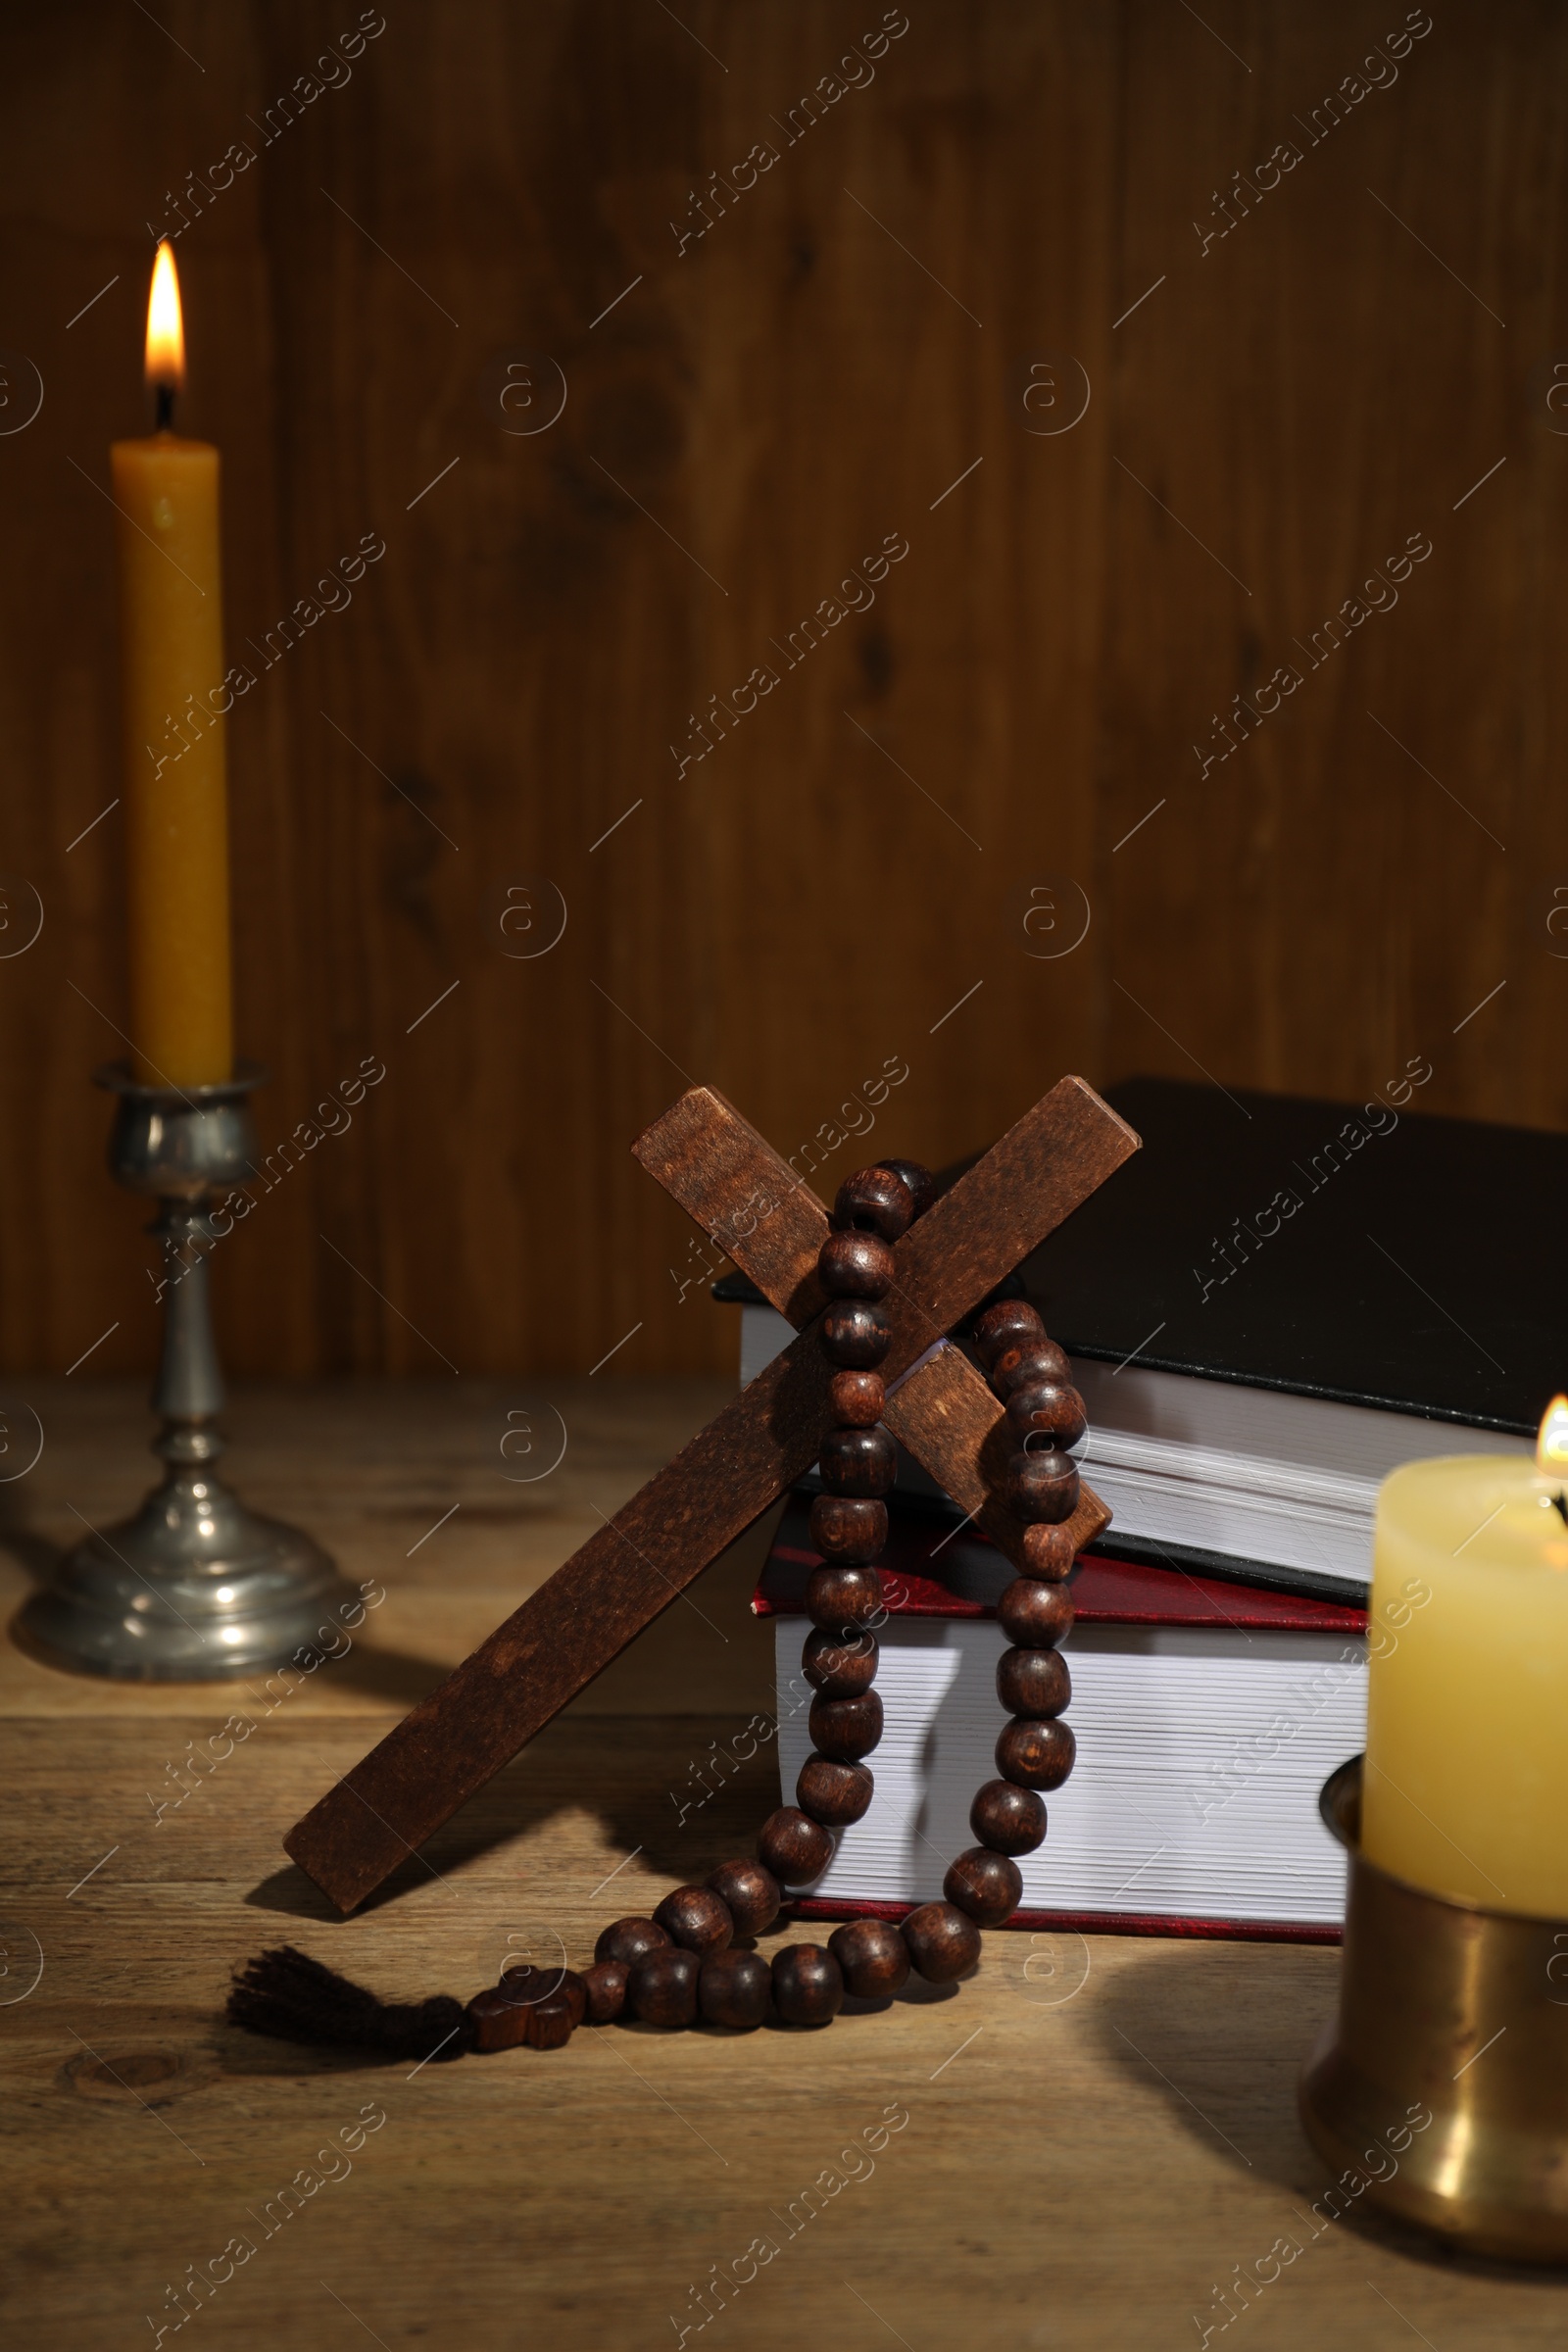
(195,1588)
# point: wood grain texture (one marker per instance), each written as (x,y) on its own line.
(755,413)
(743,1194)
(1153,2081)
(454,1740)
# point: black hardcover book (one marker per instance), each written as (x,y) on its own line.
(1278,1299)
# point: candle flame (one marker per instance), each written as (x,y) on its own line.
(166,330)
(1551,1446)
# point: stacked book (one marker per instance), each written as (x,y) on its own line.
(1274,1303)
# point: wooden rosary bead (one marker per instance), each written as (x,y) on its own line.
(696,1919)
(629,1939)
(848,1729)
(794,1847)
(856,1399)
(1027,1362)
(841,1599)
(858,1461)
(1033,1683)
(942,1943)
(988,1886)
(808,1984)
(873,1957)
(551,2024)
(844,1527)
(1048,1407)
(855,1265)
(839,1668)
(1033,1613)
(919,1179)
(734,1989)
(751,1893)
(1036,1755)
(1009,1820)
(855,1333)
(524,1986)
(834,1794)
(1040,1487)
(1011,1323)
(875,1200)
(498,2023)
(1048,1553)
(662,1987)
(605,1986)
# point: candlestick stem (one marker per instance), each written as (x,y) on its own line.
(195,1588)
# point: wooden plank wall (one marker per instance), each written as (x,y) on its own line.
(837,362)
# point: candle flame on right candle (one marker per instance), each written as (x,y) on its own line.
(1551,1445)
(165,328)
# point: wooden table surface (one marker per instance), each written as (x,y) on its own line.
(1077,2149)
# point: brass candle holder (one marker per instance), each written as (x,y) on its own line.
(1460,2015)
(195,1588)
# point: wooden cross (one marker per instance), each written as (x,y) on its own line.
(753,1203)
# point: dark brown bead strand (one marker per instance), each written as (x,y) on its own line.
(844,1527)
(842,1598)
(662,1987)
(840,1669)
(1011,1323)
(856,1334)
(942,1943)
(808,1984)
(873,1957)
(856,1399)
(1036,1755)
(629,1939)
(1040,1487)
(875,1200)
(848,1729)
(834,1794)
(1034,1614)
(696,1919)
(856,1265)
(734,1989)
(1048,1552)
(1009,1820)
(794,1847)
(667,1984)
(1050,1409)
(1032,1683)
(605,1986)
(988,1886)
(858,1461)
(751,1895)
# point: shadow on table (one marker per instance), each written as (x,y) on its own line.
(652,1781)
(1220,2033)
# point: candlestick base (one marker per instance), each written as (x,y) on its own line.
(195,1588)
(1457,2016)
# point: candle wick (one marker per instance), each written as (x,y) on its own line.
(1560,1502)
(165,406)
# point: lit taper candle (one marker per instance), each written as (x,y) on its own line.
(172,703)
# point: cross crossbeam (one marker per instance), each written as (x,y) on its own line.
(633,1567)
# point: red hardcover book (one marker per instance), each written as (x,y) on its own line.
(1207,1714)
